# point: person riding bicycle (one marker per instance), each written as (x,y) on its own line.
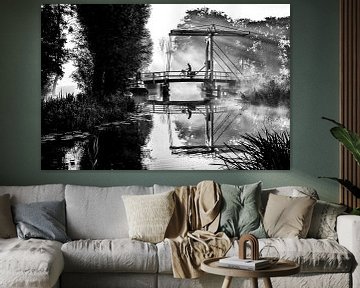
(189,71)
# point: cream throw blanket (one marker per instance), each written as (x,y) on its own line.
(191,231)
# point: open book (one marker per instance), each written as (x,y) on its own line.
(236,262)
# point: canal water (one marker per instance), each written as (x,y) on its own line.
(184,132)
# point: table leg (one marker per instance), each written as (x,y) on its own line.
(254,282)
(227,282)
(267,283)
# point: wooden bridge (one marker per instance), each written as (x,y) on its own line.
(185,76)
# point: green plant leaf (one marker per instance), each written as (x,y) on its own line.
(347,184)
(349,139)
(355,211)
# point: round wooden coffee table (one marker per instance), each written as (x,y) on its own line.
(281,268)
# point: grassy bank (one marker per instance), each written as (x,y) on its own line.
(82,113)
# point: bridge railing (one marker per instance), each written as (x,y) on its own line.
(179,74)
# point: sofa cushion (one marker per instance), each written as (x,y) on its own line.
(164,257)
(287,216)
(290,191)
(117,255)
(7,226)
(313,255)
(35,193)
(163,188)
(30,263)
(43,220)
(149,215)
(323,222)
(98,213)
(240,210)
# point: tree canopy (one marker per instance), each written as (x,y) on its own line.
(265,50)
(53,39)
(113,44)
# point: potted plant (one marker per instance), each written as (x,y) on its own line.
(351,141)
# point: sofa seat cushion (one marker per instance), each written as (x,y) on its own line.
(30,263)
(313,255)
(110,255)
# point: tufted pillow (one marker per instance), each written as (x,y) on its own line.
(323,222)
(7,226)
(240,213)
(288,217)
(43,220)
(149,215)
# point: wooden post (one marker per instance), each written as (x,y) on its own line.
(349,91)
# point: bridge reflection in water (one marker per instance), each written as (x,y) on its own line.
(194,125)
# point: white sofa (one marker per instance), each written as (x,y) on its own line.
(101,254)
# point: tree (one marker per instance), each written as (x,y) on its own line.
(192,48)
(117,45)
(268,45)
(53,39)
(266,50)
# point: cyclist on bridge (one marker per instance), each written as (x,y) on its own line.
(189,71)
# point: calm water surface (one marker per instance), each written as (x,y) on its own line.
(164,137)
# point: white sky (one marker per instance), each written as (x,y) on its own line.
(165,17)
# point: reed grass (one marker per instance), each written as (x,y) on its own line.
(265,150)
(81,113)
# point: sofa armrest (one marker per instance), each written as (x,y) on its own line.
(348,230)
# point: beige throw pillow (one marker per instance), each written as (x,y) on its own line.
(288,217)
(7,226)
(149,215)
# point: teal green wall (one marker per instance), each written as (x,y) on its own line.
(314,93)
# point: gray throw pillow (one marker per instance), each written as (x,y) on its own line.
(323,222)
(240,213)
(43,220)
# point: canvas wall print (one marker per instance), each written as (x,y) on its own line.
(165,87)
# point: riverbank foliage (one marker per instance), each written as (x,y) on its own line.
(271,94)
(265,150)
(82,113)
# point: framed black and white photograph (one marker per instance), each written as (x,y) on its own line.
(165,86)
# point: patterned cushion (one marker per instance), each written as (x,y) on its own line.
(323,223)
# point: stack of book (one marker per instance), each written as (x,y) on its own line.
(248,264)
